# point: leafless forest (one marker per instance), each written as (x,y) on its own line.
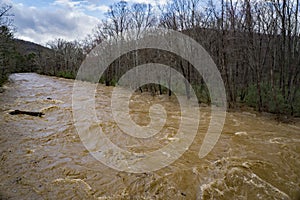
(255,45)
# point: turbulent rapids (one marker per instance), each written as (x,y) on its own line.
(256,157)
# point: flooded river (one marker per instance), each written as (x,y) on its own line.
(43,157)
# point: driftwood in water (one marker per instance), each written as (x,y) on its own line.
(19,112)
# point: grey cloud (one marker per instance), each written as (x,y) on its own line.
(41,25)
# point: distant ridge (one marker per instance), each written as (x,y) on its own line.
(26,47)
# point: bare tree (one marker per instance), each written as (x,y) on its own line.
(6,16)
(6,44)
(68,57)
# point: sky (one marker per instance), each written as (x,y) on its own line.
(41,21)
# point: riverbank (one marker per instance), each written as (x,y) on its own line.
(240,107)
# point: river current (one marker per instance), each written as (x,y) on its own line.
(256,157)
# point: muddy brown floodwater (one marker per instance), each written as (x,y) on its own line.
(44,158)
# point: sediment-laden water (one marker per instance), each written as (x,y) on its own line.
(43,157)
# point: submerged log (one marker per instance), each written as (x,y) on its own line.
(20,112)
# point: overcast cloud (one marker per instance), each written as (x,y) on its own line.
(43,24)
(42,21)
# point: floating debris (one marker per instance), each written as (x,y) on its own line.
(21,112)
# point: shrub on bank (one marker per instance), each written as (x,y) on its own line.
(66,74)
(273,100)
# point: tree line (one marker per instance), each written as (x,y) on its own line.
(5,41)
(255,45)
